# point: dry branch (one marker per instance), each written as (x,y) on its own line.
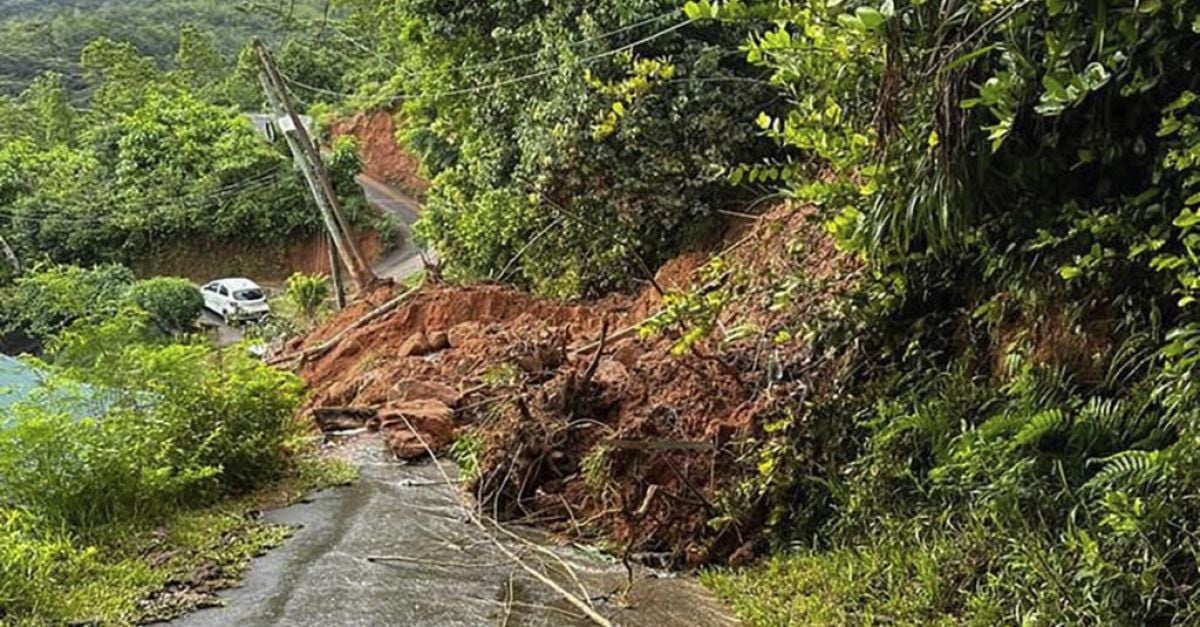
(332,343)
(580,603)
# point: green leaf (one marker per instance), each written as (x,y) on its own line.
(1187,219)
(1054,88)
(1055,6)
(872,19)
(1070,272)
(1149,6)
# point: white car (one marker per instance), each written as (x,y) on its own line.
(236,300)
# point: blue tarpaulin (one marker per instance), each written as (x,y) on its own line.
(20,382)
(17,381)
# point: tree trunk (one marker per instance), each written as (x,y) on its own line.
(9,256)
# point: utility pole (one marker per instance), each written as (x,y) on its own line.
(308,158)
(335,274)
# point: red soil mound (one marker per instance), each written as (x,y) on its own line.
(383,159)
(616,440)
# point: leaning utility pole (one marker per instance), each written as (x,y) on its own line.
(335,274)
(309,160)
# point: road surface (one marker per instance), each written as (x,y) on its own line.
(437,568)
(405,261)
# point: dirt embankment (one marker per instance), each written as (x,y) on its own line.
(383,158)
(616,440)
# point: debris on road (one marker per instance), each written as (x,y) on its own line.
(599,435)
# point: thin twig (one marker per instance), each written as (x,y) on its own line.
(574,600)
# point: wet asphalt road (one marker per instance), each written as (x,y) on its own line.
(445,571)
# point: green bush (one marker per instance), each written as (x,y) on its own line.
(308,293)
(174,304)
(32,566)
(44,301)
(614,160)
(160,427)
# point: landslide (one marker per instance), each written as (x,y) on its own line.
(576,420)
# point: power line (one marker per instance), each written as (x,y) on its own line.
(520,57)
(511,81)
(194,200)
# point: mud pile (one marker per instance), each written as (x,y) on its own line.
(577,422)
(382,157)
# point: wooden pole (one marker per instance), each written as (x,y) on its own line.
(309,160)
(335,274)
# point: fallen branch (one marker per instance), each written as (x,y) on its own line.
(624,333)
(580,604)
(332,343)
(595,365)
(658,445)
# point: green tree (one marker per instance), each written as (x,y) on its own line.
(121,75)
(49,104)
(513,152)
(199,62)
(308,292)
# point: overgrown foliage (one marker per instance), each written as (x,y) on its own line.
(152,158)
(174,304)
(125,433)
(1020,178)
(308,293)
(46,36)
(48,300)
(513,109)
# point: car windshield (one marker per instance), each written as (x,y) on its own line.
(248,295)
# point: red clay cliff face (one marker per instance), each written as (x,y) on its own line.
(629,444)
(383,158)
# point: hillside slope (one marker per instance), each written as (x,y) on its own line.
(48,36)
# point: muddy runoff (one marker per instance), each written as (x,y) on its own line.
(398,548)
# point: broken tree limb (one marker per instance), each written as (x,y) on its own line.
(595,365)
(343,418)
(332,343)
(658,445)
(10,257)
(581,604)
(622,334)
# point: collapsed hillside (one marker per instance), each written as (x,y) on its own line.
(577,419)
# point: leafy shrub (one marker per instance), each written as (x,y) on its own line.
(161,427)
(174,304)
(44,301)
(618,158)
(308,292)
(1022,187)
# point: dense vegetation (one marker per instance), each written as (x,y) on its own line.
(1020,178)
(1012,436)
(1007,427)
(47,36)
(532,176)
(132,427)
(156,157)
